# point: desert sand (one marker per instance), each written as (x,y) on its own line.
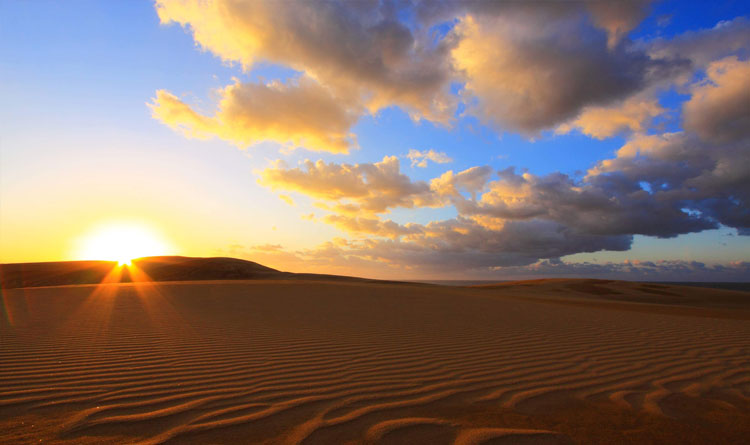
(330,362)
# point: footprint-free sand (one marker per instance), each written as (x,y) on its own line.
(329,362)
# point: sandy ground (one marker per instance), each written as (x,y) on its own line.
(334,362)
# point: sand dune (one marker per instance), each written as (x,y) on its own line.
(317,362)
(165,268)
(160,268)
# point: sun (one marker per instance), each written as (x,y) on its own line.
(122,243)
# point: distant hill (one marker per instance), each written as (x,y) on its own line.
(186,269)
(165,268)
(158,268)
(569,289)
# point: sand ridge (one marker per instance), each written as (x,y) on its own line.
(355,362)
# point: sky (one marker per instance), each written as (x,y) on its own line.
(403,140)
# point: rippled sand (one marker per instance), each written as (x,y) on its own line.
(336,362)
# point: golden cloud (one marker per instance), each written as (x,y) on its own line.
(719,108)
(527,74)
(363,54)
(368,187)
(634,114)
(297,114)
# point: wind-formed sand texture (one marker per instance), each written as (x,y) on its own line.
(333,362)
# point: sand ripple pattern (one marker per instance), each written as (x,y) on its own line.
(297,363)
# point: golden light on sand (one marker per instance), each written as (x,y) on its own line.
(122,243)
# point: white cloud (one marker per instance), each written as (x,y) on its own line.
(420,158)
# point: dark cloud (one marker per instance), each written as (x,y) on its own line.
(615,18)
(658,185)
(526,66)
(361,51)
(606,204)
(532,76)
(470,243)
(522,66)
(711,182)
(719,108)
(389,258)
(730,37)
(465,245)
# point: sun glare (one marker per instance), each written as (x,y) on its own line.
(121,243)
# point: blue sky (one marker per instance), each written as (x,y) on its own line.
(81,146)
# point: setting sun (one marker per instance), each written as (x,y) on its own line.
(121,243)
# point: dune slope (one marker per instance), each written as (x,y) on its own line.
(354,362)
(163,268)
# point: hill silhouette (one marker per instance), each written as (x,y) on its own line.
(161,268)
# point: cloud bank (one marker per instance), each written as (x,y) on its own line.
(535,68)
(522,68)
(343,257)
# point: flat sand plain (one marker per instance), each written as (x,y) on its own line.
(553,361)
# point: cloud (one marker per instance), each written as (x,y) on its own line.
(268,247)
(527,74)
(372,226)
(618,17)
(605,204)
(288,200)
(361,51)
(299,114)
(632,115)
(730,37)
(615,18)
(471,180)
(708,181)
(375,188)
(525,67)
(420,158)
(392,259)
(510,243)
(632,270)
(719,108)
(349,189)
(169,109)
(449,247)
(519,66)
(328,257)
(658,185)
(511,224)
(369,187)
(358,192)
